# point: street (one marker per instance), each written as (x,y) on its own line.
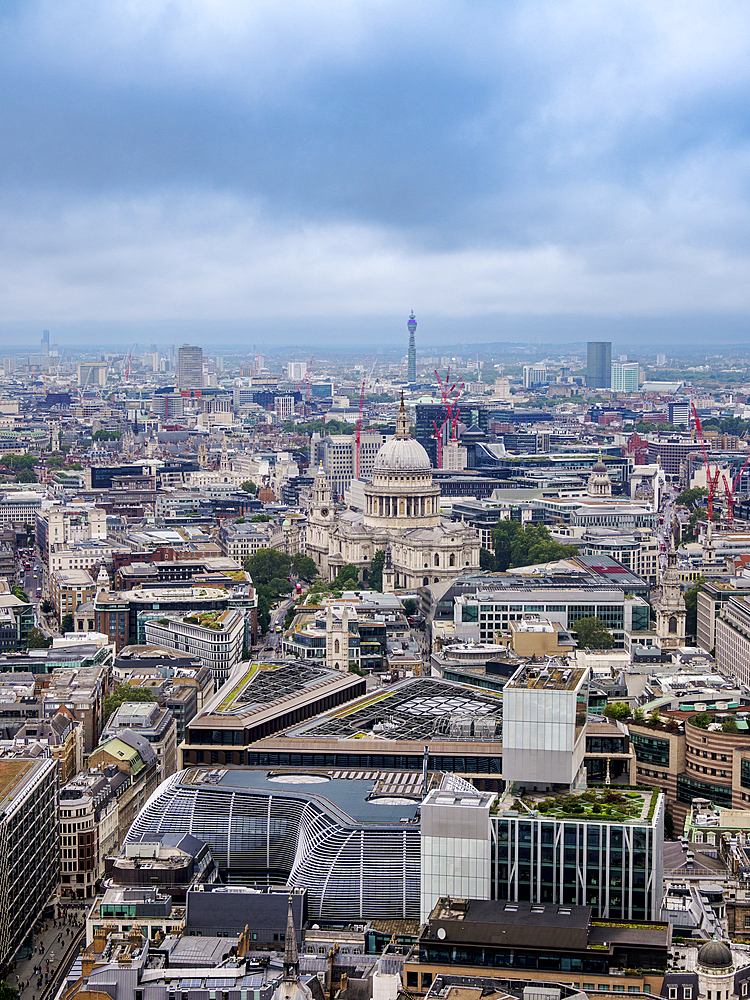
(56,947)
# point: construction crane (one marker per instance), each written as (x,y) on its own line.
(358,432)
(729,491)
(450,394)
(439,439)
(130,358)
(712,479)
(307,375)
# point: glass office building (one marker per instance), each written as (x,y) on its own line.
(599,364)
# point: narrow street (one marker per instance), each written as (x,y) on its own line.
(56,948)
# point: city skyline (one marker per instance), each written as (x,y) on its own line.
(510,171)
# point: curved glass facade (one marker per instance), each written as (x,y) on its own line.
(351,869)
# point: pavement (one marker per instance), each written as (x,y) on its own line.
(57,943)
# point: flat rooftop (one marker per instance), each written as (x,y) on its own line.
(546,677)
(414,709)
(265,684)
(373,798)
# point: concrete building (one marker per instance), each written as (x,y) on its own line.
(19,507)
(733,641)
(69,589)
(153,723)
(599,364)
(411,368)
(216,637)
(534,375)
(134,756)
(544,720)
(88,828)
(81,690)
(190,367)
(29,845)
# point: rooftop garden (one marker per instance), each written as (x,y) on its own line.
(206,619)
(608,803)
(722,722)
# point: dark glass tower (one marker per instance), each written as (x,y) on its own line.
(599,364)
(411,326)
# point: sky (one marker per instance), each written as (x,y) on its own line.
(258,173)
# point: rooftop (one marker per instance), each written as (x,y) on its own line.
(546,676)
(414,709)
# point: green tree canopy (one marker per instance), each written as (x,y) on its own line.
(26,476)
(518,546)
(304,567)
(67,624)
(410,606)
(125,692)
(37,640)
(347,578)
(8,992)
(688,497)
(375,576)
(691,604)
(593,633)
(249,487)
(261,518)
(20,593)
(267,564)
(618,710)
(47,606)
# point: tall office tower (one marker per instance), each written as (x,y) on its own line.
(599,364)
(411,326)
(296,370)
(45,343)
(533,375)
(625,376)
(190,367)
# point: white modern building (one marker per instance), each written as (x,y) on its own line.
(544,721)
(533,375)
(625,376)
(216,637)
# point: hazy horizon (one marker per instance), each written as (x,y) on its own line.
(309,172)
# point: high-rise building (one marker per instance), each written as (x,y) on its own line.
(599,364)
(45,342)
(533,375)
(624,376)
(190,367)
(30,844)
(296,370)
(411,326)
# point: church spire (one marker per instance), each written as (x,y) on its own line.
(291,958)
(402,420)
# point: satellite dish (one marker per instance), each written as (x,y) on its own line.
(441,933)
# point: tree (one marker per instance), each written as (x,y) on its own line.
(654,719)
(8,992)
(67,624)
(593,633)
(47,606)
(729,726)
(347,578)
(125,692)
(375,576)
(639,715)
(688,497)
(304,567)
(20,593)
(260,518)
(618,711)
(518,546)
(410,607)
(37,640)
(691,604)
(266,564)
(487,561)
(249,487)
(702,720)
(26,476)
(668,825)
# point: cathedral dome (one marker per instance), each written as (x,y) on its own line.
(715,955)
(402,455)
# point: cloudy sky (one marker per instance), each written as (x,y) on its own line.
(269,171)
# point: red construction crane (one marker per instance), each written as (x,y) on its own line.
(712,479)
(358,432)
(729,491)
(450,394)
(439,439)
